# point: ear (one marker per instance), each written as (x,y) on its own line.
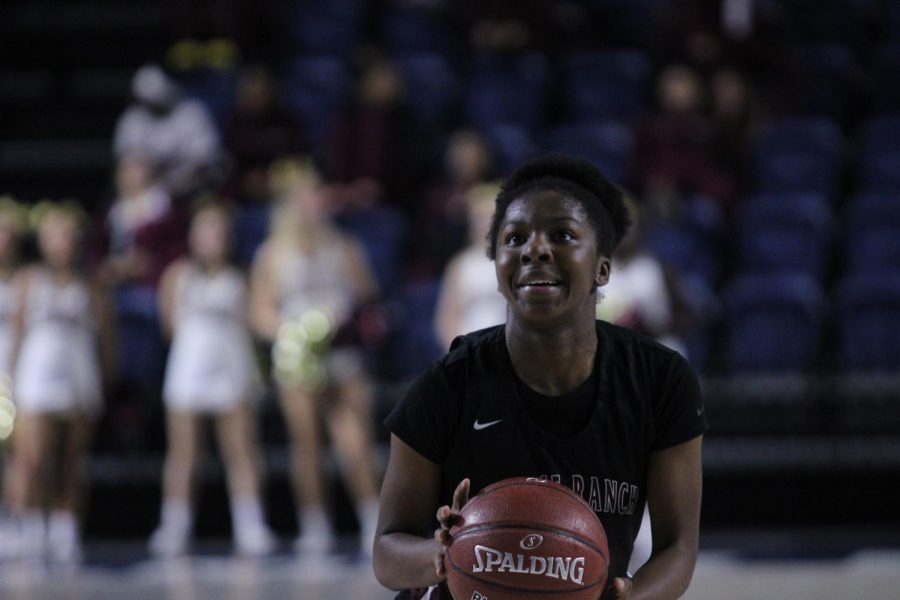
(602,271)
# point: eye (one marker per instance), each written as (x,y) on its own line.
(514,239)
(564,235)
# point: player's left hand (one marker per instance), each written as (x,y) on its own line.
(619,590)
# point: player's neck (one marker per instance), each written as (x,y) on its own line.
(552,361)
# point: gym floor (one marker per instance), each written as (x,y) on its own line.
(121,570)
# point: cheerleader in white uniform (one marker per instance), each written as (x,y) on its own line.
(11,224)
(62,337)
(211,372)
(469,299)
(306,281)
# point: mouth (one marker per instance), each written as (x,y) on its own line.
(544,283)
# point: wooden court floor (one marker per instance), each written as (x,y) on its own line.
(121,571)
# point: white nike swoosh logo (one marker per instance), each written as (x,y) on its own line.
(700,410)
(479,426)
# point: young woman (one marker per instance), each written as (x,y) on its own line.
(11,224)
(551,393)
(307,280)
(62,348)
(469,299)
(211,372)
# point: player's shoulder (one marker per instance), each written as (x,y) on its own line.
(626,343)
(482,339)
(471,351)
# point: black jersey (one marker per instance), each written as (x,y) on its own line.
(465,414)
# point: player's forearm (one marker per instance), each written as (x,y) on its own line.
(667,574)
(405,561)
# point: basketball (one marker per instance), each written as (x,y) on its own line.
(527,538)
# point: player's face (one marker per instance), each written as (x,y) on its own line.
(547,264)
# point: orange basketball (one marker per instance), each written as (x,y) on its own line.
(527,538)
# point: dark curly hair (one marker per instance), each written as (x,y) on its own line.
(602,200)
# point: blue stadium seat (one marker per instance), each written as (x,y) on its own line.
(799,155)
(321,27)
(507,91)
(607,144)
(628,22)
(316,88)
(611,84)
(874,251)
(785,232)
(886,75)
(432,87)
(140,345)
(879,156)
(838,22)
(688,245)
(773,323)
(874,232)
(868,306)
(874,210)
(893,20)
(407,30)
(383,234)
(417,344)
(685,249)
(216,89)
(512,145)
(822,79)
(251,226)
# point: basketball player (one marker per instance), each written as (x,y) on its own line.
(552,393)
(306,282)
(59,319)
(211,372)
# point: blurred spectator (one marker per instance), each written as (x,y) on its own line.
(142,230)
(675,144)
(691,34)
(59,377)
(378,140)
(228,27)
(307,282)
(638,295)
(442,219)
(506,25)
(735,115)
(211,372)
(177,134)
(138,236)
(469,299)
(260,132)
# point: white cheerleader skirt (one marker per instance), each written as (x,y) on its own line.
(58,371)
(211,368)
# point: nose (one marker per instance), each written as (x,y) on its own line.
(536,249)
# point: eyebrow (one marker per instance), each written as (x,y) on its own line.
(553,220)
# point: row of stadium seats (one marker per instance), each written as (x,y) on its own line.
(807,154)
(335,27)
(777,323)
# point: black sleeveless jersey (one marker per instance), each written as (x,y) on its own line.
(464,413)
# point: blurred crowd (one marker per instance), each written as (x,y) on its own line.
(301,192)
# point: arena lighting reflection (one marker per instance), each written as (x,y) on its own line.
(300,347)
(7,408)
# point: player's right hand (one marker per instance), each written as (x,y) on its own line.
(448,516)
